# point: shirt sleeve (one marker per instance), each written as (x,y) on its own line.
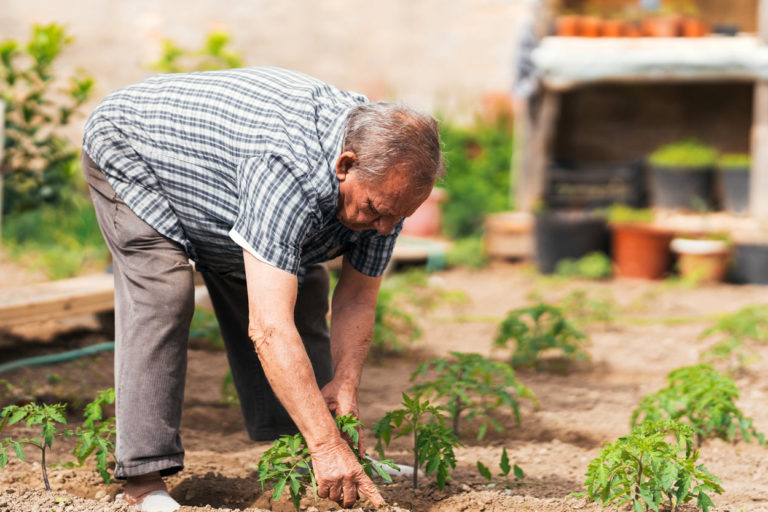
(372,252)
(274,213)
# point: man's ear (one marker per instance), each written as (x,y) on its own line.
(343,165)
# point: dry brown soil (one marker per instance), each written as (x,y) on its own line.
(656,332)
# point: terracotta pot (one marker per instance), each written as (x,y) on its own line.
(662,26)
(694,27)
(702,261)
(641,250)
(567,25)
(614,28)
(633,30)
(591,26)
(426,220)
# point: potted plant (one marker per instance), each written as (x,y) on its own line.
(681,175)
(567,24)
(691,24)
(663,22)
(640,248)
(733,171)
(615,26)
(567,234)
(701,260)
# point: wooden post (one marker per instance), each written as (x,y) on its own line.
(2,142)
(538,146)
(758,185)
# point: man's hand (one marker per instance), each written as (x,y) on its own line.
(340,476)
(341,398)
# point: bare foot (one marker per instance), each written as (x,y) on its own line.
(138,487)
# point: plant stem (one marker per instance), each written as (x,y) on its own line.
(415,461)
(45,471)
(456,413)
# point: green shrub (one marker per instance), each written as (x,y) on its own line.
(212,55)
(647,469)
(537,329)
(699,396)
(39,163)
(624,214)
(478,162)
(734,161)
(467,252)
(688,153)
(595,265)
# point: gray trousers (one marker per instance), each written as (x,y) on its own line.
(154,303)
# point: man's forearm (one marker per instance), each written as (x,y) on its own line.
(290,374)
(351,332)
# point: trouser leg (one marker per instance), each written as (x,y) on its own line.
(265,418)
(154,302)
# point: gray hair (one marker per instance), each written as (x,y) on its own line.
(384,136)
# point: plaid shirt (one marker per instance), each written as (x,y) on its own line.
(223,161)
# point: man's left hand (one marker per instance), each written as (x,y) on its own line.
(341,399)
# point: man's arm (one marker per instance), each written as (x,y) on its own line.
(271,301)
(353,313)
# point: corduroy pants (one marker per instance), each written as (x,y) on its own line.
(154,303)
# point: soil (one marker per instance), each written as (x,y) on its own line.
(656,331)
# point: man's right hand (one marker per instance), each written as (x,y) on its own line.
(340,476)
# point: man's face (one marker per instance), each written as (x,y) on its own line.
(365,205)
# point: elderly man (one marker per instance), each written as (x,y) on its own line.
(256,175)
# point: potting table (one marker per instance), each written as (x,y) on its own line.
(567,63)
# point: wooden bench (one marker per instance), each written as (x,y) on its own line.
(56,299)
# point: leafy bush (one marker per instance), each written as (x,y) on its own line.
(595,265)
(624,214)
(289,463)
(647,470)
(478,162)
(538,328)
(467,252)
(734,161)
(212,55)
(433,442)
(475,385)
(688,153)
(748,326)
(699,396)
(38,162)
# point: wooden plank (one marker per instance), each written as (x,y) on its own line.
(540,136)
(56,299)
(759,176)
(2,143)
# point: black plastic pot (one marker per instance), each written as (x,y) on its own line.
(734,185)
(682,188)
(564,235)
(750,264)
(593,186)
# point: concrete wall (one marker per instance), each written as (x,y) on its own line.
(432,54)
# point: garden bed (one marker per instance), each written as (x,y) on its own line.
(654,331)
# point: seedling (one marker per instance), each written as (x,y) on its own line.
(46,417)
(96,435)
(517,473)
(433,442)
(475,385)
(538,328)
(587,309)
(648,469)
(699,396)
(747,326)
(594,266)
(289,463)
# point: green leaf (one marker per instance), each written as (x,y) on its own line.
(277,489)
(484,471)
(518,471)
(504,463)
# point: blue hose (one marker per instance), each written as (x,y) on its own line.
(62,357)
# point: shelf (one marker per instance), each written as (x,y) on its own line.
(567,62)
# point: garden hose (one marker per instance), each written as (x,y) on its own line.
(62,357)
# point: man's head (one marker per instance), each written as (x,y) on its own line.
(390,160)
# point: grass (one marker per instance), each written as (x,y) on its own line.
(62,240)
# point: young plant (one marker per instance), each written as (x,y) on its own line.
(747,326)
(654,465)
(433,442)
(684,154)
(288,463)
(593,266)
(587,309)
(96,435)
(538,328)
(475,385)
(517,472)
(699,396)
(43,416)
(213,54)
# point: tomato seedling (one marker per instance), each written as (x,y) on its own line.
(517,472)
(96,435)
(433,442)
(748,326)
(699,396)
(475,385)
(647,470)
(288,463)
(538,328)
